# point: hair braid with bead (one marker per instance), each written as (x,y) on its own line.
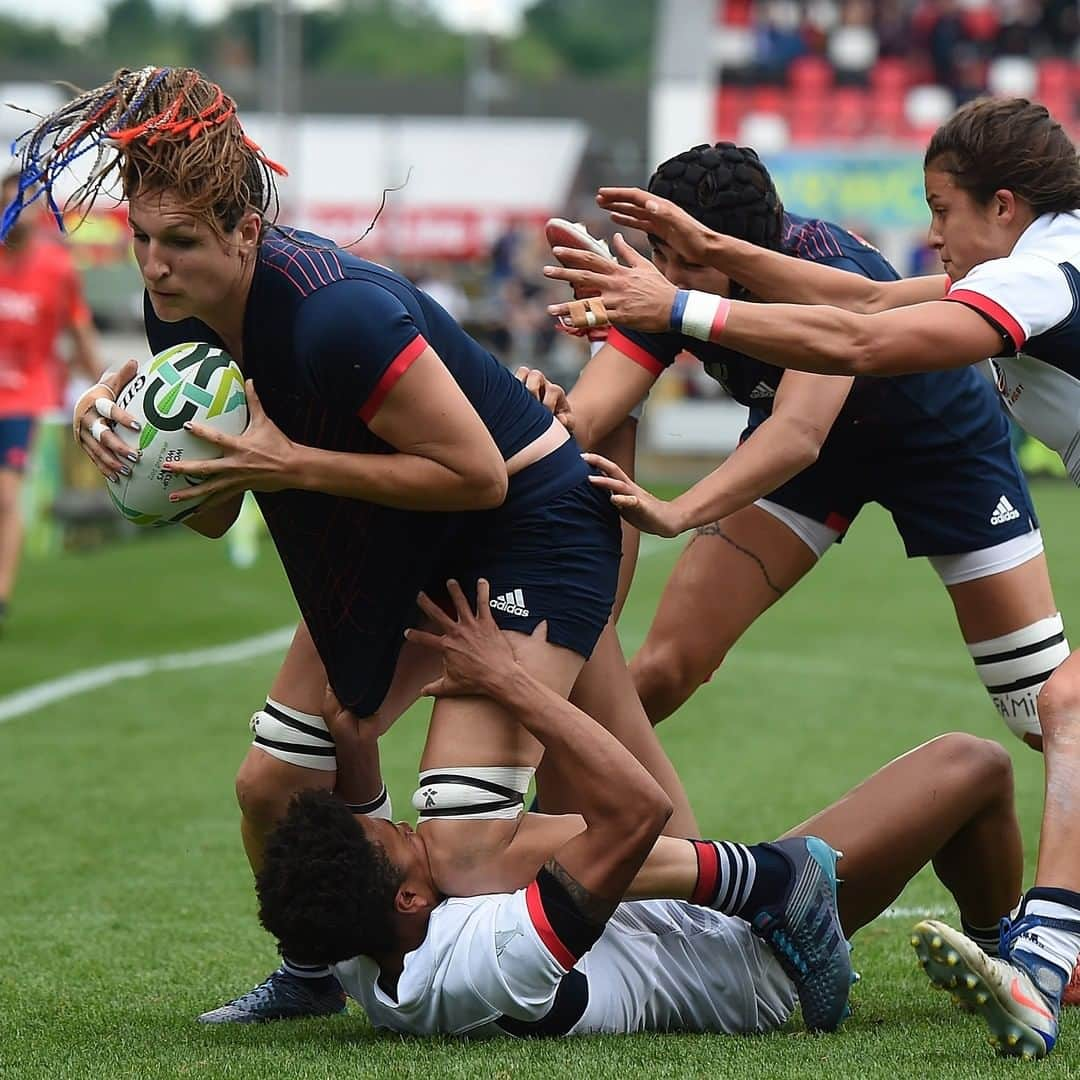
(158,129)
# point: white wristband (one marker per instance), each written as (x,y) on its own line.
(699,315)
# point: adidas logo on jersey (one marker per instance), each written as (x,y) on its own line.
(1004,511)
(762,390)
(513,603)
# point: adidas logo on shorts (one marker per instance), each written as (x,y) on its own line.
(1004,511)
(513,603)
(762,390)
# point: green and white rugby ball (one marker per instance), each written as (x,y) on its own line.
(188,382)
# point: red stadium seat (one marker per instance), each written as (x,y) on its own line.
(887,118)
(731,106)
(807,116)
(810,74)
(1057,76)
(890,75)
(736,13)
(768,99)
(848,113)
(1058,83)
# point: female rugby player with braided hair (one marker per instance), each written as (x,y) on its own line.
(1003,185)
(386,448)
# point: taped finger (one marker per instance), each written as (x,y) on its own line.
(97,428)
(587,314)
(104,407)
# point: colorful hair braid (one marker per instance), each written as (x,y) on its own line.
(161,129)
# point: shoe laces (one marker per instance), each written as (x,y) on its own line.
(256,995)
(781,940)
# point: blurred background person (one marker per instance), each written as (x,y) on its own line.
(40,300)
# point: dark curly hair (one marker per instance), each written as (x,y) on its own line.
(326,892)
(727,188)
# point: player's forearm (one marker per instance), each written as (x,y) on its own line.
(405,481)
(772,275)
(777,451)
(823,340)
(611,786)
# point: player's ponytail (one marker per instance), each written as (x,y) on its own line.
(158,129)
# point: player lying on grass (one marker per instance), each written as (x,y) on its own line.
(565,954)
(1002,181)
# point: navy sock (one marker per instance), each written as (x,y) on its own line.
(739,879)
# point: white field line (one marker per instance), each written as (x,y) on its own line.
(45,693)
(913,913)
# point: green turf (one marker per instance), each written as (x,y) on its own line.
(125,903)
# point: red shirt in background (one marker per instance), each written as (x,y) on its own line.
(40,297)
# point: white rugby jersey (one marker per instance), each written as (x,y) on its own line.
(1033,297)
(492,965)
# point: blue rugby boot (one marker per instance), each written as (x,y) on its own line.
(805,934)
(1018,994)
(281,996)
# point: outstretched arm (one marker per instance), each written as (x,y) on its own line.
(769,275)
(827,340)
(805,408)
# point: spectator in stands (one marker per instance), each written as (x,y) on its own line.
(779,40)
(946,36)
(893,25)
(1018,29)
(40,298)
(1061,24)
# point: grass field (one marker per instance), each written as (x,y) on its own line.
(125,902)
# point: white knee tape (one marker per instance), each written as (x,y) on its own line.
(379,807)
(293,736)
(1014,667)
(473,792)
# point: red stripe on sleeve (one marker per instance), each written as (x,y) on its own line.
(994,312)
(563,956)
(398,366)
(707,868)
(633,351)
(837,522)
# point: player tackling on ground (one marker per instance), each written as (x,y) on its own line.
(564,955)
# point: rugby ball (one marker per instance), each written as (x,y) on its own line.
(193,381)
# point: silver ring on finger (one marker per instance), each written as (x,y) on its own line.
(96,429)
(104,407)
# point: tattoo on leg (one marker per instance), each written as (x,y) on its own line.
(715,530)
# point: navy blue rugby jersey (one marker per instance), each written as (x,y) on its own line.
(959,398)
(326,336)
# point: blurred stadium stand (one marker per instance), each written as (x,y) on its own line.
(840,71)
